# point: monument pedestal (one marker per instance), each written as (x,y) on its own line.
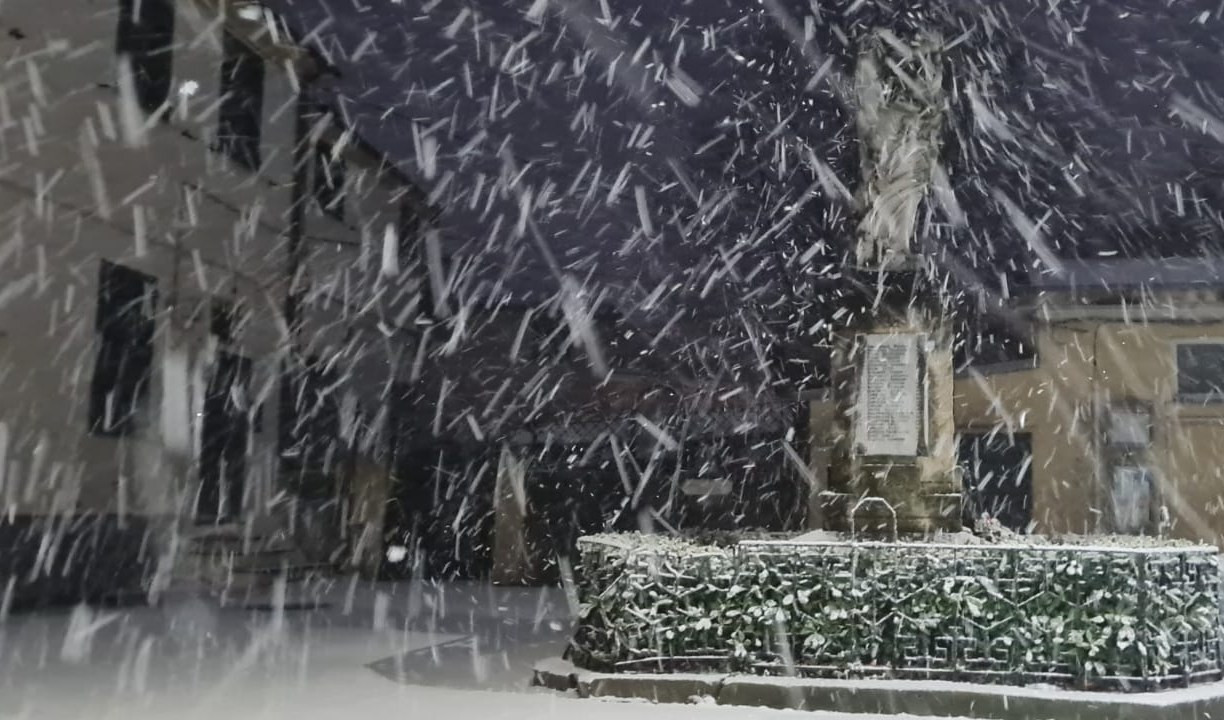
(893,468)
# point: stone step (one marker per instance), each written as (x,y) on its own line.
(244,563)
(291,564)
(293,572)
(251,541)
(258,581)
(222,569)
(272,594)
(211,544)
(258,557)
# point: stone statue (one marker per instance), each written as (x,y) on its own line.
(893,467)
(899,89)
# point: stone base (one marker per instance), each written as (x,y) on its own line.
(912,697)
(562,675)
(923,514)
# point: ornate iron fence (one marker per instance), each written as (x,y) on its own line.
(1093,617)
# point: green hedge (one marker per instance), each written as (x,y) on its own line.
(1076,615)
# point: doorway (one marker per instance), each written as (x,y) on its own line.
(224,432)
(997,472)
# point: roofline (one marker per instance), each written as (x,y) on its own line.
(310,64)
(1211,268)
(255,34)
(1103,286)
(1138,314)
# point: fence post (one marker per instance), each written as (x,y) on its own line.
(866,500)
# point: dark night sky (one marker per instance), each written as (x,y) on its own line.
(705,110)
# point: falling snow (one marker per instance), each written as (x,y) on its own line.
(327,327)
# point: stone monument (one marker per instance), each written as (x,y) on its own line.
(893,466)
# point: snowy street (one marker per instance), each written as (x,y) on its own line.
(461,650)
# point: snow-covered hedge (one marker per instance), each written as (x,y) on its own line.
(1082,615)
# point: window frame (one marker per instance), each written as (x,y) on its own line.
(310,430)
(415,221)
(327,184)
(1185,398)
(240,113)
(147,42)
(979,446)
(547,337)
(123,362)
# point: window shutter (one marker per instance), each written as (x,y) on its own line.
(329,180)
(146,37)
(240,116)
(123,365)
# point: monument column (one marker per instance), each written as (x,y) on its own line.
(894,447)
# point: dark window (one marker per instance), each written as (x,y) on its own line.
(988,340)
(145,38)
(412,215)
(611,330)
(329,180)
(224,430)
(543,335)
(1200,372)
(310,430)
(415,221)
(997,472)
(124,363)
(225,319)
(241,112)
(548,333)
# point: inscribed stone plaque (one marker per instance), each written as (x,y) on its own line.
(889,421)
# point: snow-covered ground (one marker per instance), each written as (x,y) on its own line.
(431,653)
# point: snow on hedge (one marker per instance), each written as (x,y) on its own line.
(1090,612)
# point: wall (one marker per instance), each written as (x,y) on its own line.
(1053,403)
(78,193)
(820,454)
(74,190)
(1126,362)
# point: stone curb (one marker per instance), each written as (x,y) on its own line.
(913,697)
(558,674)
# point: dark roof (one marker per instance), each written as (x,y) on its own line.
(1130,273)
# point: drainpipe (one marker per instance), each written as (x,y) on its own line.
(299,192)
(1104,518)
(297,214)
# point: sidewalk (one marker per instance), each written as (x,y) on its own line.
(449,652)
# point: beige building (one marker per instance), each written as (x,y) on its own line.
(1123,407)
(156,205)
(1114,419)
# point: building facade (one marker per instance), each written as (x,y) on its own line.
(1111,416)
(1116,425)
(198,316)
